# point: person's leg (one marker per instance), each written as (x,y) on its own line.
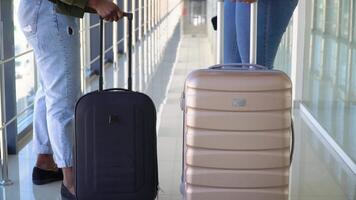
(273,19)
(59,66)
(231,52)
(45,169)
(242,25)
(41,142)
(277,15)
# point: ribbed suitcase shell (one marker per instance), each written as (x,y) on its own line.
(237,134)
(115,146)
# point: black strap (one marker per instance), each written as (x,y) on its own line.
(214,22)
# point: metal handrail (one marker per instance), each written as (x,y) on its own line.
(5,181)
(4,125)
(120,41)
(17,56)
(89,28)
(31,50)
(109,49)
(80,31)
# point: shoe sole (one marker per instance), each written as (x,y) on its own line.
(43,182)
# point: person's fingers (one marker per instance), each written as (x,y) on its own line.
(120,14)
(107,17)
(105,14)
(111,18)
(110,12)
(115,17)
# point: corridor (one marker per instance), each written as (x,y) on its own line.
(184,44)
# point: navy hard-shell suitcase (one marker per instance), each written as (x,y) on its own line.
(115,142)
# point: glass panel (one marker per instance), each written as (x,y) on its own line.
(329,89)
(353,78)
(24,89)
(317,59)
(345,17)
(25,76)
(283,60)
(342,71)
(330,66)
(319,14)
(354,22)
(331,22)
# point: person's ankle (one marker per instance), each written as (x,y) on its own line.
(68,180)
(70,187)
(46,162)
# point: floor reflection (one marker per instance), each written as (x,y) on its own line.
(157,87)
(318,171)
(194,17)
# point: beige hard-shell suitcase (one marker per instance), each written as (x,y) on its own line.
(237,138)
(237,133)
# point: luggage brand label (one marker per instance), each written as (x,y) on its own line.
(114,119)
(239,102)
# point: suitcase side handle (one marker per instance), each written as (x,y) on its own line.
(292,143)
(237,66)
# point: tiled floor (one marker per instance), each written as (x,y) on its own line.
(192,54)
(317,173)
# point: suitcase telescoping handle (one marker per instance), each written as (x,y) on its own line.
(129,17)
(253,45)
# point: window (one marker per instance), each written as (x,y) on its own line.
(353,78)
(331,21)
(284,55)
(24,75)
(330,75)
(319,14)
(345,18)
(342,71)
(330,66)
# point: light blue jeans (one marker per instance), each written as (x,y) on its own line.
(55,40)
(273,19)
